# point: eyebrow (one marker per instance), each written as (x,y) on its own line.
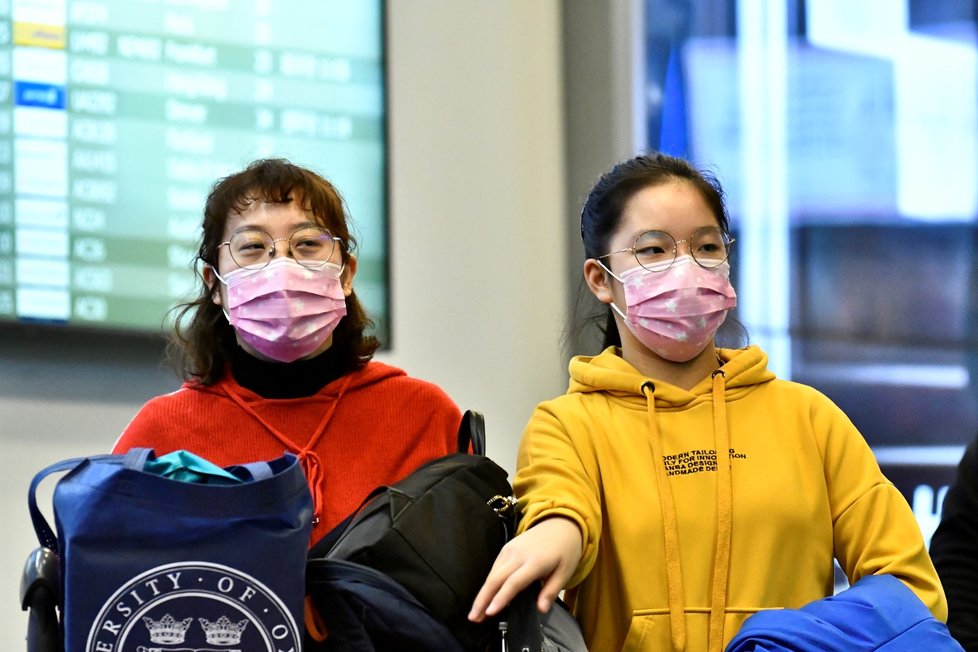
(295,226)
(638,233)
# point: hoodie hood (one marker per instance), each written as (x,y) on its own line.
(609,372)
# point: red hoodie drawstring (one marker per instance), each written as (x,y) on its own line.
(307,457)
(314,476)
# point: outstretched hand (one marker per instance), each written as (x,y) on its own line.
(549,551)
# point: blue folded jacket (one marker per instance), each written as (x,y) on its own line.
(877,614)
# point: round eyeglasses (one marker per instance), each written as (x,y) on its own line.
(310,246)
(657,250)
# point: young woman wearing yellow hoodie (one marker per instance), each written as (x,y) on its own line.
(677,487)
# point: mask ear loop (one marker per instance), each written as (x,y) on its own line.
(215,272)
(611,273)
(614,306)
(221,279)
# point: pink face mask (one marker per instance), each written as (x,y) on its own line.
(676,312)
(285,311)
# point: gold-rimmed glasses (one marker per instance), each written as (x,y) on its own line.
(656,251)
(310,246)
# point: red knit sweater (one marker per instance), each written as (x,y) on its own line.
(384,425)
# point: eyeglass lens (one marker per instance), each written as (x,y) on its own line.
(709,247)
(310,247)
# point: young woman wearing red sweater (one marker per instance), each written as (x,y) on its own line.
(274,355)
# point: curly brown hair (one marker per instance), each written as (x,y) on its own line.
(202,339)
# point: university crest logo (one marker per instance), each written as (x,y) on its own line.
(193,607)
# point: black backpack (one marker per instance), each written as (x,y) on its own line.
(403,570)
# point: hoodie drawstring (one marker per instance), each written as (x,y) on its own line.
(721,559)
(724,521)
(670,527)
(309,460)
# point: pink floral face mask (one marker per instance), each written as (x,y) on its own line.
(285,311)
(676,312)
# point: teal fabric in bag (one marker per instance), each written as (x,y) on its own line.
(152,562)
(187,467)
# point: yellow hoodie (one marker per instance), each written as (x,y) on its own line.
(674,532)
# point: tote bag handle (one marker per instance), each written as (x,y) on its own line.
(45,535)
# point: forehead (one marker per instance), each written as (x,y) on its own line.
(276,218)
(675,207)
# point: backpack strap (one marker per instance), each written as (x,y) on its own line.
(472,430)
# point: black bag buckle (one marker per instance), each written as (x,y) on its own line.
(502,505)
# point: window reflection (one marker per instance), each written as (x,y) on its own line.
(846,136)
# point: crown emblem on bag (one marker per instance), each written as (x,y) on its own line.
(222,631)
(167,630)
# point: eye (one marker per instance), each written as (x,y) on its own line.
(654,246)
(311,244)
(249,245)
(650,250)
(710,243)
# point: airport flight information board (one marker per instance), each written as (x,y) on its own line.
(117,116)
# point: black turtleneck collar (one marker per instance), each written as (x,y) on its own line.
(284,380)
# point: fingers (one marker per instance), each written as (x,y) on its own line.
(508,577)
(549,592)
(510,588)
(486,594)
(549,551)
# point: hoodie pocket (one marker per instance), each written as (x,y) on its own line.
(650,631)
(640,630)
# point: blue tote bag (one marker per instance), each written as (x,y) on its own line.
(178,554)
